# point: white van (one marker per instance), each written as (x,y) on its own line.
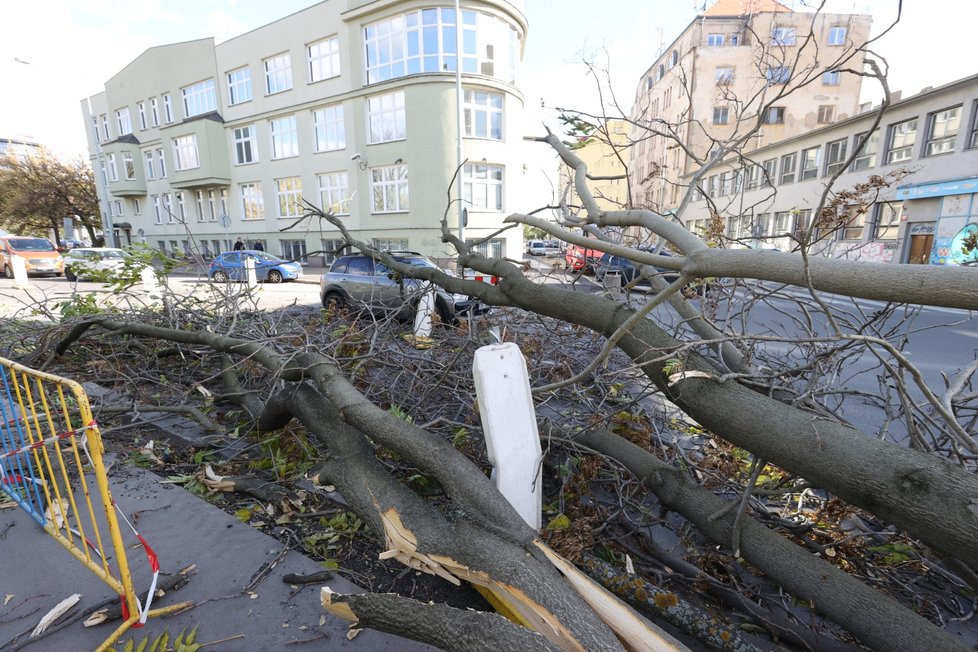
(536,248)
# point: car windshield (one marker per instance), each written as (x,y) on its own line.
(417,261)
(30,244)
(264,257)
(110,254)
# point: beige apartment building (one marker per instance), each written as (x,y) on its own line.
(925,149)
(730,69)
(605,153)
(350,105)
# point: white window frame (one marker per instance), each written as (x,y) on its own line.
(774,112)
(805,171)
(123,120)
(867,155)
(199,198)
(334,192)
(724,75)
(154,110)
(324,59)
(105,127)
(483,114)
(482,187)
(903,139)
(778,75)
(329,128)
(942,131)
(128,166)
(199,98)
(721,115)
(285,137)
(389,189)
(185,156)
(181,207)
(835,155)
(386,118)
(826,114)
(137,207)
(168,108)
(715,40)
(211,206)
(252,201)
(113,168)
(245,145)
(288,196)
(142,115)
(168,209)
(162,160)
(239,85)
(150,168)
(789,168)
(837,35)
(278,73)
(157,209)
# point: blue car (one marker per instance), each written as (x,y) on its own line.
(230,266)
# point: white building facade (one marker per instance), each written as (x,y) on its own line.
(925,148)
(349,105)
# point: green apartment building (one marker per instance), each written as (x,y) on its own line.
(351,105)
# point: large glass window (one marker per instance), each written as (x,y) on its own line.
(129,165)
(329,128)
(789,164)
(809,162)
(386,118)
(199,98)
(185,152)
(721,115)
(854,225)
(483,114)
(334,192)
(252,201)
(425,41)
(288,193)
(125,124)
(389,188)
(782,36)
(837,36)
(294,250)
(831,78)
(714,40)
(324,59)
(245,145)
(835,155)
(778,75)
(239,85)
(903,135)
(278,73)
(770,168)
(888,220)
(942,130)
(774,115)
(867,156)
(482,187)
(285,138)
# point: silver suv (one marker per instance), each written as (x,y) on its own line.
(358,281)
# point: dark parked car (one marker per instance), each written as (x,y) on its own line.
(629,271)
(230,266)
(360,281)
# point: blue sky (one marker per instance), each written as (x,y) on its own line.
(72,48)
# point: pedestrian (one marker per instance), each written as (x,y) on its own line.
(259,246)
(239,245)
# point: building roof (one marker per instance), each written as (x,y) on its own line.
(743,7)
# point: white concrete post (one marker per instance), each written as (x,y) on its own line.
(20,271)
(422,318)
(249,265)
(502,386)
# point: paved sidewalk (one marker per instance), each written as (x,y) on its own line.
(36,573)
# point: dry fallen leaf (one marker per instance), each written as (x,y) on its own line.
(6,600)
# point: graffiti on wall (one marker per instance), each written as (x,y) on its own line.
(867,252)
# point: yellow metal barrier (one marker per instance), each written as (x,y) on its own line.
(47,434)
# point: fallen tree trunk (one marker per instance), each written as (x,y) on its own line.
(875,619)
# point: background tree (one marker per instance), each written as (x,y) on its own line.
(37,192)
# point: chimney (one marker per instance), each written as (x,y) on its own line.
(865,106)
(927,89)
(896,96)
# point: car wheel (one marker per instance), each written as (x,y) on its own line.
(70,275)
(445,316)
(274,276)
(333,301)
(219,277)
(9,273)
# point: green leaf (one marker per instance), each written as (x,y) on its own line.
(243,514)
(559,522)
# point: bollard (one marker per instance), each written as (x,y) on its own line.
(509,422)
(20,271)
(422,318)
(252,278)
(151,284)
